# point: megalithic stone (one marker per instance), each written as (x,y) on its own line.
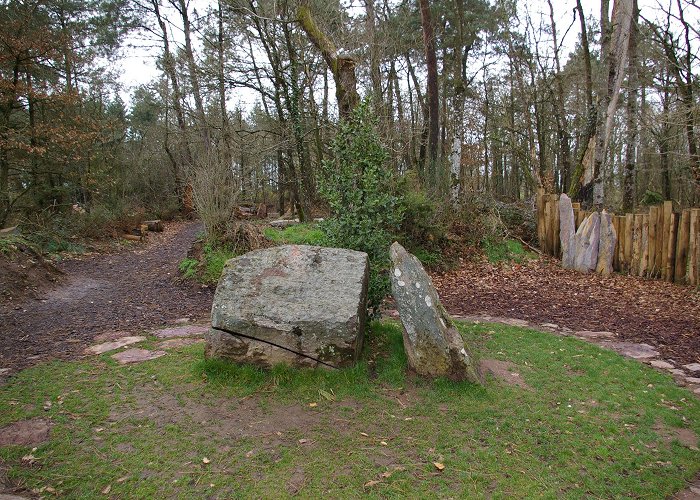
(586,244)
(606,248)
(293,304)
(433,345)
(567,231)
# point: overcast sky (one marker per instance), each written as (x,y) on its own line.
(137,66)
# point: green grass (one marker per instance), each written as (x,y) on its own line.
(506,251)
(584,428)
(300,234)
(209,269)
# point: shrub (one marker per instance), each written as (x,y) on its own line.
(357,185)
(420,226)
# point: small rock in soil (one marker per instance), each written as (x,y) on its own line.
(659,363)
(111,346)
(137,355)
(634,350)
(692,380)
(692,367)
(676,371)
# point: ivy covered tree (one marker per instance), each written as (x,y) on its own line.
(358,186)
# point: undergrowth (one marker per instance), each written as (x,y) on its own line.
(299,234)
(506,251)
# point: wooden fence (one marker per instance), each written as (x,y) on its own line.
(660,243)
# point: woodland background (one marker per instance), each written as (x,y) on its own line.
(470,106)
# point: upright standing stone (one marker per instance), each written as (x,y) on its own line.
(567,230)
(586,244)
(433,345)
(293,304)
(606,248)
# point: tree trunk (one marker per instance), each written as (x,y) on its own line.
(629,191)
(169,69)
(192,70)
(431,90)
(561,119)
(342,66)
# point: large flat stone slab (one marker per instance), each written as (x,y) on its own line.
(181,331)
(179,342)
(567,230)
(633,350)
(606,247)
(586,244)
(116,344)
(303,301)
(136,356)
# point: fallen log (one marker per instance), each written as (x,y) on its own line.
(132,237)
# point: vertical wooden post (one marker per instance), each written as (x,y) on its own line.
(670,264)
(621,236)
(694,247)
(629,241)
(682,244)
(644,249)
(556,243)
(577,208)
(616,252)
(540,218)
(547,242)
(668,212)
(636,245)
(660,239)
(651,248)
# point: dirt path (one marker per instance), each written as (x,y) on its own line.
(664,315)
(128,291)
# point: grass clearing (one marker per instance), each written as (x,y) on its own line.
(181,426)
(299,234)
(507,251)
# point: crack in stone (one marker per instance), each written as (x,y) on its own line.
(236,334)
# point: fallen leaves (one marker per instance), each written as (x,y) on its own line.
(439,466)
(205,460)
(637,309)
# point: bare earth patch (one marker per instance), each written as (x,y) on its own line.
(25,432)
(129,291)
(505,371)
(684,436)
(224,418)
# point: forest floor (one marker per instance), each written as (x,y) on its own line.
(126,291)
(661,314)
(140,288)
